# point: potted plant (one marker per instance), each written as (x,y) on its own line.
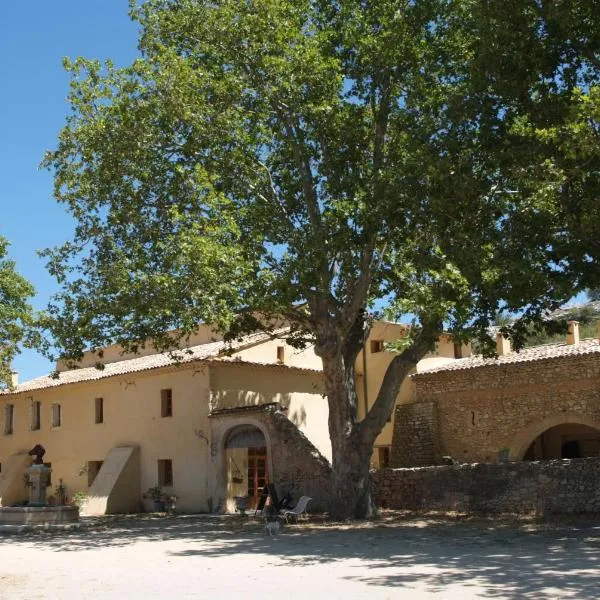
(157,497)
(79,499)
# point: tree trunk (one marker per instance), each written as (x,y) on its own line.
(352,441)
(350,486)
(350,482)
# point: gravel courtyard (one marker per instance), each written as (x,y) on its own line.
(199,557)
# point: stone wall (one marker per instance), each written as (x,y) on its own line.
(415,440)
(485,412)
(296,465)
(548,487)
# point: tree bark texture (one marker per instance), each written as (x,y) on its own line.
(352,440)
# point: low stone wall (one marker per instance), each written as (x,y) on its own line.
(548,487)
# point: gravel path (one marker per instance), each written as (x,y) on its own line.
(195,557)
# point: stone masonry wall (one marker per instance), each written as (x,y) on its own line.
(299,468)
(485,411)
(548,487)
(415,438)
(297,465)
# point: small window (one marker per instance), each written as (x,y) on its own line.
(376,346)
(458,351)
(280,354)
(9,413)
(165,472)
(166,403)
(99,410)
(383,456)
(56,415)
(35,414)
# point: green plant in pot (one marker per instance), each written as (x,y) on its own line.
(157,496)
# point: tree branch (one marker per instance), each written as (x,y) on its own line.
(397,371)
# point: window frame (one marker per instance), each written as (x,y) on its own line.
(165,472)
(36,415)
(99,410)
(56,412)
(166,403)
(9,423)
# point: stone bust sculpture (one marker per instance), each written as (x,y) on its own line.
(38,452)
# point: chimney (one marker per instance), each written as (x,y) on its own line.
(502,345)
(573,333)
(14,375)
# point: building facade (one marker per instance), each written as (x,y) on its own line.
(203,428)
(211,425)
(540,403)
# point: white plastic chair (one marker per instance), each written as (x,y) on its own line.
(298,510)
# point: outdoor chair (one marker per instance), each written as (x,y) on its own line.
(298,510)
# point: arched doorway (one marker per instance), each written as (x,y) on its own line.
(567,440)
(246,463)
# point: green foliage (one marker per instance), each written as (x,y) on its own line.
(155,493)
(268,154)
(16,314)
(79,499)
(316,160)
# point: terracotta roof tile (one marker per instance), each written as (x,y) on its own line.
(535,353)
(211,352)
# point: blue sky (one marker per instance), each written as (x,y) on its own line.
(34,37)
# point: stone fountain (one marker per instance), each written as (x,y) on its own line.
(37,512)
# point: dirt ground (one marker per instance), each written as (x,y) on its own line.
(398,557)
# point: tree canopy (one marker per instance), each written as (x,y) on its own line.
(16,314)
(321,160)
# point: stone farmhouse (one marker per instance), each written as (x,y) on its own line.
(209,427)
(540,403)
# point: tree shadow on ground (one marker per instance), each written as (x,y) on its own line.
(504,560)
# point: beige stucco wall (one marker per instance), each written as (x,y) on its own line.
(299,393)
(132,416)
(266,352)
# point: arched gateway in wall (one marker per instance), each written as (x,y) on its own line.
(246,463)
(566,435)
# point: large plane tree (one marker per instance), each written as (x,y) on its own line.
(322,161)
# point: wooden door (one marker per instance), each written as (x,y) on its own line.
(258,474)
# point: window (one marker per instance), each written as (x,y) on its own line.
(56,415)
(9,412)
(35,414)
(99,410)
(457,351)
(166,403)
(165,472)
(280,354)
(376,346)
(383,456)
